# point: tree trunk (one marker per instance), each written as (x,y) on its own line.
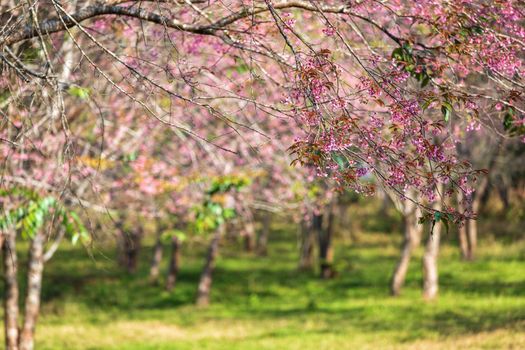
(173,268)
(203,292)
(430,261)
(348,228)
(385,203)
(34,287)
(131,245)
(462,231)
(154,270)
(262,242)
(463,241)
(481,189)
(326,253)
(411,239)
(10,291)
(472,230)
(121,239)
(249,236)
(306,258)
(503,192)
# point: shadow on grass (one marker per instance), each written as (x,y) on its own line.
(270,288)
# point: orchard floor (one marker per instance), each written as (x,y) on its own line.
(265,303)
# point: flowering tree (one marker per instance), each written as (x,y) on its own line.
(375,86)
(355,89)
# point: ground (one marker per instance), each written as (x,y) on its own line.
(265,303)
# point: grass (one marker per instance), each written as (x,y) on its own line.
(265,303)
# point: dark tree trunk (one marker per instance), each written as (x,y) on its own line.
(410,242)
(262,242)
(121,249)
(326,253)
(10,291)
(130,248)
(203,292)
(34,287)
(154,270)
(133,250)
(249,236)
(173,268)
(462,230)
(503,192)
(430,261)
(306,257)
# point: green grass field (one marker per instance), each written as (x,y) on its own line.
(265,303)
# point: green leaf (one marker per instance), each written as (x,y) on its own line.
(229,213)
(397,53)
(427,103)
(425,81)
(74,238)
(446,109)
(78,91)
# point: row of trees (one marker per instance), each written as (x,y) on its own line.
(195,109)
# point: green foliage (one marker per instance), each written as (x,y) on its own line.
(30,216)
(438,216)
(131,157)
(470,31)
(30,54)
(74,227)
(79,91)
(240,65)
(169,234)
(341,160)
(4,96)
(405,57)
(446,110)
(226,183)
(33,212)
(213,212)
(512,125)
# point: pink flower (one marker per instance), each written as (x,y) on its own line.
(329,31)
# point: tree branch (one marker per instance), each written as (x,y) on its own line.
(60,24)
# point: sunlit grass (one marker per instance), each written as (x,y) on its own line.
(265,303)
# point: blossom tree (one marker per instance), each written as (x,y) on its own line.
(363,88)
(363,79)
